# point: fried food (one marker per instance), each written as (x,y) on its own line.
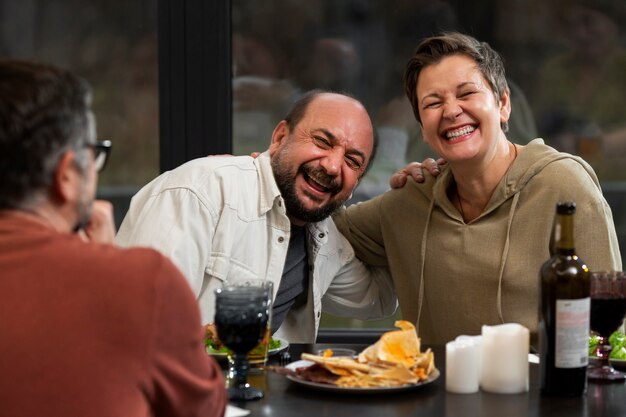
(394,360)
(397,346)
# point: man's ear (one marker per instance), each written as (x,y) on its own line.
(66,179)
(280,134)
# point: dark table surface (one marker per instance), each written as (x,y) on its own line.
(285,398)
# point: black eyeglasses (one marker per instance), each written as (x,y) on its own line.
(101,151)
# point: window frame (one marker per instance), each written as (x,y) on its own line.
(195,119)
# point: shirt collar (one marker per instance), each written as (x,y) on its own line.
(269,192)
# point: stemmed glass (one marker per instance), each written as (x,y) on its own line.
(608,308)
(241,317)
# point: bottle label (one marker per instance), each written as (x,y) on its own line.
(572,333)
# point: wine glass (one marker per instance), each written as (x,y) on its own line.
(608,308)
(241,316)
(257,357)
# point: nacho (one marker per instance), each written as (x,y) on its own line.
(396,346)
(394,360)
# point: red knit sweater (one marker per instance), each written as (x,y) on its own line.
(94,330)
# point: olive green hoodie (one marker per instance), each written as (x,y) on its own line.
(452,277)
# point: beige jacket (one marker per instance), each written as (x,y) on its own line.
(452,277)
(221,217)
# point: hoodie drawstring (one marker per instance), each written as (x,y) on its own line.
(423,266)
(505,253)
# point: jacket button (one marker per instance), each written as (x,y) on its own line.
(281,239)
(319,313)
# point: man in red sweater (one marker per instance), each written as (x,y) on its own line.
(86,328)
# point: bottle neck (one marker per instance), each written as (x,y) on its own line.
(564,233)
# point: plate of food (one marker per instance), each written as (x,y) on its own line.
(394,363)
(215,348)
(313,376)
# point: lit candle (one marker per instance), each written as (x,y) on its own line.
(463,365)
(505,358)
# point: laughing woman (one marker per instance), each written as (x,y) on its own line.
(465,248)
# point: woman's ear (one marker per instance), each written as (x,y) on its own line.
(280,134)
(505,106)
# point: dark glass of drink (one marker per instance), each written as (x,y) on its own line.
(608,308)
(241,316)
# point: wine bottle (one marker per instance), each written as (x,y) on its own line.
(564,312)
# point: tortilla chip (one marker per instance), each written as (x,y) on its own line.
(397,346)
(394,360)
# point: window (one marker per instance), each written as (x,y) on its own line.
(565,62)
(114,47)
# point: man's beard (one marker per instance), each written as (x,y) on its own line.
(286,182)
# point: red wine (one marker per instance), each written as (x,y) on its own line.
(607,313)
(241,316)
(564,312)
(241,334)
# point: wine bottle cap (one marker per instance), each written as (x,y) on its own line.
(567,207)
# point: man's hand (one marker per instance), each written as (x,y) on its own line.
(101,226)
(416,170)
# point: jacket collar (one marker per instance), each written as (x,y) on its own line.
(269,192)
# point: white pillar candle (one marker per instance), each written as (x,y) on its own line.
(505,358)
(462,366)
(478,341)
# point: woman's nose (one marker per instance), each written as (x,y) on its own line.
(451,110)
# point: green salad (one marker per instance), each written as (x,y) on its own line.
(274,343)
(214,346)
(618,345)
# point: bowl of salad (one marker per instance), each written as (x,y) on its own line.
(617,356)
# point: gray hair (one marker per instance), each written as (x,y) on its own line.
(44,112)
